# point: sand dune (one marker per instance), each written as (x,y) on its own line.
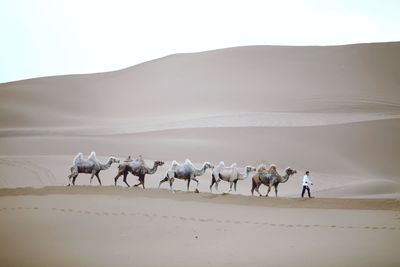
(332,110)
(354,78)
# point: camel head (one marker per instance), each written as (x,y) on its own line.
(289,171)
(158,163)
(250,169)
(114,160)
(208,165)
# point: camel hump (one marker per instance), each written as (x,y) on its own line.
(174,163)
(233,165)
(92,156)
(261,168)
(78,158)
(272,168)
(187,161)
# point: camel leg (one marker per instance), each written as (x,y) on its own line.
(216,184)
(141,181)
(162,181)
(98,178)
(230,186)
(197,181)
(125,176)
(257,189)
(71,176)
(117,177)
(91,177)
(74,178)
(212,182)
(171,181)
(188,183)
(269,189)
(276,191)
(234,183)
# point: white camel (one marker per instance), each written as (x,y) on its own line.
(90,165)
(229,174)
(186,171)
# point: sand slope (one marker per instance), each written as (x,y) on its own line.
(332,110)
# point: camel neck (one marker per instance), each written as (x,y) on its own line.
(284,178)
(201,171)
(153,169)
(106,166)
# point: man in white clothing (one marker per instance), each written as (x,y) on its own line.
(306,184)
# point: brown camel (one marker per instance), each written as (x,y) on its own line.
(270,178)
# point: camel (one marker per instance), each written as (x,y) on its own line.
(270,178)
(90,165)
(229,174)
(186,171)
(137,167)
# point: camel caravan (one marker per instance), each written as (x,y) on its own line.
(185,171)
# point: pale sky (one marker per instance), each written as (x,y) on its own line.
(53,37)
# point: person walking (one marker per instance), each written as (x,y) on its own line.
(306,185)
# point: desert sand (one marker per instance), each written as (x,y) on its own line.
(332,110)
